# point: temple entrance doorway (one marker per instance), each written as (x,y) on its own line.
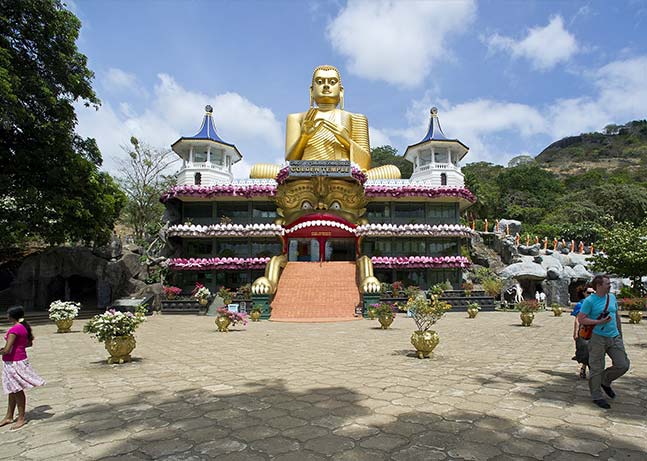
(322,249)
(340,249)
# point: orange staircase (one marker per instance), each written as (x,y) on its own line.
(316,292)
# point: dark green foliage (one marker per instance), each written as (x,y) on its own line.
(625,252)
(51,189)
(387,155)
(577,206)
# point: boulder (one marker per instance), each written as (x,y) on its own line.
(156,290)
(556,291)
(131,264)
(552,262)
(569,273)
(524,270)
(513,225)
(580,273)
(553,273)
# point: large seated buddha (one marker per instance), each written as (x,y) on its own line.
(327,132)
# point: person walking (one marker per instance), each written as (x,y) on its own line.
(601,310)
(581,345)
(17,373)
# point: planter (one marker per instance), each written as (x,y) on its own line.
(223,324)
(64,325)
(120,348)
(385,321)
(255,316)
(527,318)
(472,313)
(170,296)
(203,301)
(557,311)
(635,317)
(371,313)
(424,342)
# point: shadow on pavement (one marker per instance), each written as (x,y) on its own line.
(268,420)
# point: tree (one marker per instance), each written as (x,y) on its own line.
(625,252)
(51,189)
(387,155)
(481,179)
(143,180)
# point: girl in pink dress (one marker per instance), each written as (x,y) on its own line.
(17,374)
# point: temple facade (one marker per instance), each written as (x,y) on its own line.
(323,215)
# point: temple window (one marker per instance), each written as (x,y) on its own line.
(200,156)
(425,157)
(197,179)
(442,157)
(443,179)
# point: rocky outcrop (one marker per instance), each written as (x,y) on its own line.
(93,277)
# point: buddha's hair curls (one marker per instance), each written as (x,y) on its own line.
(326,67)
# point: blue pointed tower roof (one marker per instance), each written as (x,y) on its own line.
(435,132)
(207,132)
(208,128)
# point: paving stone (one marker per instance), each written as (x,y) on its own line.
(418,453)
(52,451)
(329,444)
(275,445)
(166,447)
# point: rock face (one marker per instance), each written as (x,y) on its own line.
(556,291)
(513,226)
(77,273)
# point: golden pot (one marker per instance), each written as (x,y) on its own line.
(255,316)
(635,316)
(203,301)
(424,342)
(223,323)
(527,318)
(472,313)
(557,311)
(385,321)
(371,313)
(64,325)
(120,348)
(170,296)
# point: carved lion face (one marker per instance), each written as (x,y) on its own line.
(338,197)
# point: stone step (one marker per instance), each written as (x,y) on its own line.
(316,292)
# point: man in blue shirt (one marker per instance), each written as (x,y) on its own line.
(606,339)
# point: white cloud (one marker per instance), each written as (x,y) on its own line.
(174,111)
(544,47)
(397,42)
(378,137)
(119,81)
(484,124)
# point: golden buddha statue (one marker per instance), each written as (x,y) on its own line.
(326,132)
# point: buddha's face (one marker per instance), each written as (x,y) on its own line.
(326,87)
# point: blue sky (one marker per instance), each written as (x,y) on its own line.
(508,77)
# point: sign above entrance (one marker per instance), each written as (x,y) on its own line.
(309,168)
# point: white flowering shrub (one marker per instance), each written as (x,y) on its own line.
(113,323)
(64,310)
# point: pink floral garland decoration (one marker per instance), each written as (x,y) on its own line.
(418,230)
(413,190)
(221,190)
(197,264)
(415,262)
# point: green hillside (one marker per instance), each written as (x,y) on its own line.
(619,147)
(575,187)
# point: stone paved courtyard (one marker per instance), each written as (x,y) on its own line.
(342,391)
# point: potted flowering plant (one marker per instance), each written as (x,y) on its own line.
(226,318)
(255,313)
(64,313)
(426,312)
(225,294)
(527,309)
(115,329)
(467,287)
(385,313)
(634,306)
(557,310)
(172,292)
(201,293)
(398,288)
(473,309)
(245,291)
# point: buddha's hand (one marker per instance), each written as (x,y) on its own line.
(261,286)
(309,125)
(340,132)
